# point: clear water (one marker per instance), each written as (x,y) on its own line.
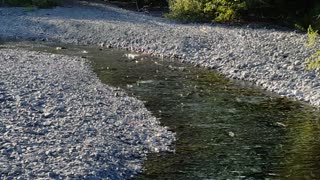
(225,130)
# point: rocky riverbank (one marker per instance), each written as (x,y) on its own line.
(270,58)
(57,120)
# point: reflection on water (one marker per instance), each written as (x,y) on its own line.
(224,131)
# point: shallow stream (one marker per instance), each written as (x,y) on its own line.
(225,129)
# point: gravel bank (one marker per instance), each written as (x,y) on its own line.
(269,58)
(57,120)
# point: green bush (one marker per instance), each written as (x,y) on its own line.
(299,13)
(206,10)
(186,10)
(224,10)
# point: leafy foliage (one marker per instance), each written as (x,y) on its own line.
(186,10)
(299,13)
(224,10)
(205,10)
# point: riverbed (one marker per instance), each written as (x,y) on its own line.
(225,129)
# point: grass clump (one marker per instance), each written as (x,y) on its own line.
(29,8)
(312,36)
(314,61)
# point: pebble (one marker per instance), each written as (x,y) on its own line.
(231,134)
